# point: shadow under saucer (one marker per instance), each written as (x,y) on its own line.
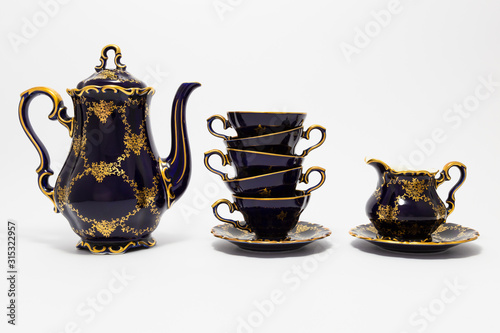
(463,251)
(446,236)
(231,249)
(302,234)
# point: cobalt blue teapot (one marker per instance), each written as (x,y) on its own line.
(113,187)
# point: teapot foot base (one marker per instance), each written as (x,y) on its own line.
(115,247)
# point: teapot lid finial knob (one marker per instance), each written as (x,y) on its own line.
(104,57)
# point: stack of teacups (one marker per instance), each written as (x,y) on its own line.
(267,170)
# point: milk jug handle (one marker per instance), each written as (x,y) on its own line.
(445,176)
(58,113)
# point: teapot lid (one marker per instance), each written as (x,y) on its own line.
(116,77)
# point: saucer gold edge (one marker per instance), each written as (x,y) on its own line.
(351,232)
(327,233)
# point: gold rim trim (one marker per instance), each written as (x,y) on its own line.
(236,138)
(327,233)
(262,176)
(272,112)
(114,88)
(351,232)
(121,249)
(404,172)
(264,153)
(274,199)
(163,165)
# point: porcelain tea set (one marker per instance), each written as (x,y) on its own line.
(267,173)
(408,215)
(113,191)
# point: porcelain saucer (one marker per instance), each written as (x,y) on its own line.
(303,234)
(445,237)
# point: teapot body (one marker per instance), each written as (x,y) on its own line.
(110,187)
(113,186)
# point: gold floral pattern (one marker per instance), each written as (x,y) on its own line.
(102,169)
(446,233)
(78,144)
(303,227)
(62,196)
(377,194)
(106,227)
(135,142)
(106,74)
(103,109)
(415,188)
(112,74)
(439,210)
(146,197)
(387,212)
(304,232)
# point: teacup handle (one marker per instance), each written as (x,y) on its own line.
(445,176)
(232,207)
(225,161)
(305,178)
(225,124)
(306,136)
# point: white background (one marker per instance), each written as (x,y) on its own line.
(264,55)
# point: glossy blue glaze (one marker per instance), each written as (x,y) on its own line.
(268,218)
(253,123)
(405,205)
(113,187)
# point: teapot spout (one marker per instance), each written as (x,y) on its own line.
(380,166)
(176,168)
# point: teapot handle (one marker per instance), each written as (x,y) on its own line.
(58,112)
(232,208)
(304,178)
(225,124)
(306,136)
(445,176)
(225,161)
